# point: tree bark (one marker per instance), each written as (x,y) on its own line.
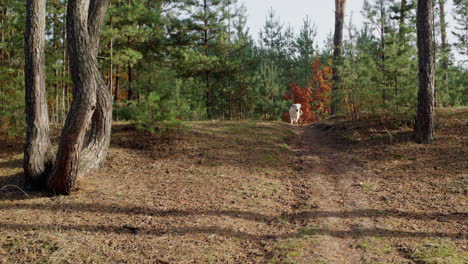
(98,142)
(340,6)
(424,125)
(38,154)
(90,98)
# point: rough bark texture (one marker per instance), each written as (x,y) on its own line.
(98,142)
(38,154)
(424,125)
(340,6)
(84,20)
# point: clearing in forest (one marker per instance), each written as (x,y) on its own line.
(339,191)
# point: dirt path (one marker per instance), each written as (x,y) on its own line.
(334,181)
(248,192)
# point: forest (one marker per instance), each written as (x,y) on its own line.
(196,60)
(158,131)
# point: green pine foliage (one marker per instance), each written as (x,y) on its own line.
(12,21)
(196,60)
(159,100)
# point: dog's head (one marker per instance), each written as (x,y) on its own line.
(296,107)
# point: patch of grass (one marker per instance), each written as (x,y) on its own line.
(437,251)
(268,157)
(364,244)
(377,246)
(369,187)
(285,146)
(286,252)
(307,231)
(120,195)
(290,250)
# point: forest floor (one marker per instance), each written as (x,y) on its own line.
(338,191)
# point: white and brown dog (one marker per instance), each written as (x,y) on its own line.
(295,113)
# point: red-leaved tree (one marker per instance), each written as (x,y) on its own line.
(315,100)
(321,82)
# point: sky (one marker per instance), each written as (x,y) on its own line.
(320,12)
(293,12)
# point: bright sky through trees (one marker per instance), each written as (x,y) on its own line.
(293,12)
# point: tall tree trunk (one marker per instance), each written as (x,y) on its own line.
(2,61)
(90,98)
(116,94)
(64,74)
(38,155)
(130,95)
(209,93)
(111,66)
(97,144)
(444,49)
(424,125)
(434,51)
(401,32)
(340,6)
(382,49)
(56,70)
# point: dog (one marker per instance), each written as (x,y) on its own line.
(295,113)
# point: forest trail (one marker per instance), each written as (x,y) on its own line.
(334,181)
(250,192)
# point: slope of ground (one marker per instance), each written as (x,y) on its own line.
(417,193)
(251,192)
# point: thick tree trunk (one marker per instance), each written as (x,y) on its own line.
(340,6)
(424,125)
(38,155)
(90,98)
(98,142)
(95,152)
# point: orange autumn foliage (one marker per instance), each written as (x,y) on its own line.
(315,100)
(322,85)
(301,96)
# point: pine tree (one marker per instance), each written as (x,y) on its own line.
(305,46)
(461,29)
(340,6)
(424,125)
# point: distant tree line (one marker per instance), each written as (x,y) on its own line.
(196,59)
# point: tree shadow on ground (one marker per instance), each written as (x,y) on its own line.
(12,188)
(223,144)
(251,216)
(11,164)
(228,232)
